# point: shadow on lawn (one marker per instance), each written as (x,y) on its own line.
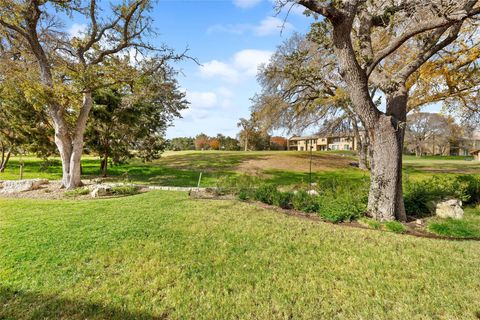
(28,305)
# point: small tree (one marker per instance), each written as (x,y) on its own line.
(201,142)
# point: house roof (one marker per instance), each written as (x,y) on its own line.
(475,151)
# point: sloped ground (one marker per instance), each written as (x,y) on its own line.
(161,255)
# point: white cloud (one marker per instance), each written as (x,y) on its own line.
(271,25)
(202,100)
(242,65)
(77,30)
(246,3)
(249,60)
(267,27)
(215,68)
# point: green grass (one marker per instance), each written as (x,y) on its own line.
(162,255)
(183,168)
(469,227)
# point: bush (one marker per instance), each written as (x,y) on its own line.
(420,195)
(266,193)
(338,210)
(302,201)
(283,199)
(373,224)
(395,226)
(125,190)
(77,192)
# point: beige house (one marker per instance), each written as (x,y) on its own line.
(476,155)
(339,141)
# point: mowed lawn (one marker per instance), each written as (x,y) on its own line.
(279,167)
(161,255)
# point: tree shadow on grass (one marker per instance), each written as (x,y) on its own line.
(29,305)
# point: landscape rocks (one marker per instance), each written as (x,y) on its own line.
(100,191)
(449,209)
(16,186)
(313,192)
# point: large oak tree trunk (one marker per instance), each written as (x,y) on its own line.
(385,131)
(385,200)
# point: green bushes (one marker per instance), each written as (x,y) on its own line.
(124,190)
(419,195)
(395,226)
(302,201)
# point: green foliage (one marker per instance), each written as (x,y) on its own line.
(266,193)
(419,195)
(77,192)
(338,210)
(283,199)
(125,190)
(302,201)
(371,223)
(395,226)
(468,227)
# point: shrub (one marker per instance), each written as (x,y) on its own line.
(283,199)
(266,193)
(244,194)
(125,190)
(373,224)
(302,201)
(77,192)
(338,210)
(420,195)
(395,226)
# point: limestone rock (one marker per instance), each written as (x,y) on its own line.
(449,209)
(312,192)
(100,191)
(16,186)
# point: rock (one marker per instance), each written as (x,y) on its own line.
(100,191)
(16,186)
(312,192)
(449,209)
(418,222)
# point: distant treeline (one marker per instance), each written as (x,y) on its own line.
(221,142)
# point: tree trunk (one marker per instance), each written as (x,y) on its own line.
(362,148)
(385,200)
(71,149)
(5,160)
(104,165)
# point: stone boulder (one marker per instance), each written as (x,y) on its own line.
(100,191)
(449,209)
(313,192)
(16,186)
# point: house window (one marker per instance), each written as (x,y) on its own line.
(346,147)
(301,148)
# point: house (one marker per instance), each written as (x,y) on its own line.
(336,141)
(476,155)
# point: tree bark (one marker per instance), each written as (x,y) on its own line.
(71,148)
(5,160)
(362,147)
(385,202)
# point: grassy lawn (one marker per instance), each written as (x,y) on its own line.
(184,168)
(162,255)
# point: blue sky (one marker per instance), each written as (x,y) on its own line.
(230,39)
